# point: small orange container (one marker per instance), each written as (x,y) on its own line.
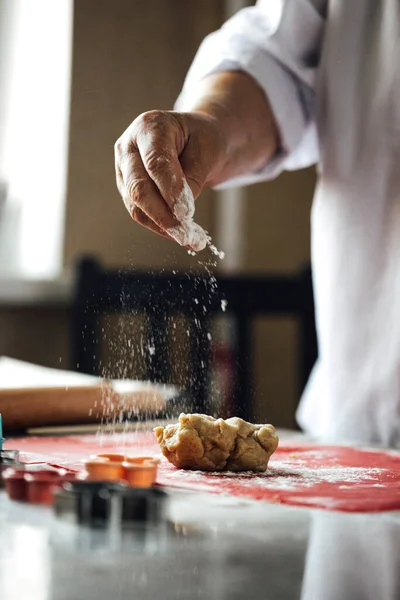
(137,460)
(137,471)
(140,471)
(113,457)
(102,469)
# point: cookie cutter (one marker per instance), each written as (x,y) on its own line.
(140,471)
(2,440)
(35,486)
(8,458)
(109,503)
(136,471)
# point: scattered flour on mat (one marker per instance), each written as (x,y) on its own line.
(284,476)
(313,501)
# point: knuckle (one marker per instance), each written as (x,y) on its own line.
(156,162)
(164,222)
(138,190)
(154,121)
(137,214)
(121,146)
(118,147)
(120,187)
(129,205)
(150,117)
(196,182)
(146,205)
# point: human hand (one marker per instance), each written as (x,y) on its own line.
(163,161)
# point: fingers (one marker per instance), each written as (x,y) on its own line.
(136,213)
(195,163)
(151,179)
(160,139)
(140,217)
(145,205)
(129,205)
(140,190)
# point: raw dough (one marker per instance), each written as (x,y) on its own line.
(208,444)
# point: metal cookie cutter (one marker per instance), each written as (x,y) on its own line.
(136,471)
(8,458)
(108,503)
(35,486)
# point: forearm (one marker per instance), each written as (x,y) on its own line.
(244,120)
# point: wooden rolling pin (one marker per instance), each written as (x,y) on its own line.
(41,407)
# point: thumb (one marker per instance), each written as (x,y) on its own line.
(195,166)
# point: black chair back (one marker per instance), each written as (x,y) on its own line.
(162,295)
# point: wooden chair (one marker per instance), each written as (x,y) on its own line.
(162,295)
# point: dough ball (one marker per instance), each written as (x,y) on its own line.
(207,444)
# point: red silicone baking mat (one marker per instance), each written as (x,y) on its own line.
(327,477)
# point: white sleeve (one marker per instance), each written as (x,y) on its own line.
(278,43)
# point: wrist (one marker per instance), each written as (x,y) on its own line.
(240,111)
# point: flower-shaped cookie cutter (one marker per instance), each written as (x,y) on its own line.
(136,471)
(36,486)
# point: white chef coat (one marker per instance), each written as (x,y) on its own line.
(331,71)
(352,557)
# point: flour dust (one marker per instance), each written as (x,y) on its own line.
(140,345)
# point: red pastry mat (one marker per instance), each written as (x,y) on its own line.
(328,477)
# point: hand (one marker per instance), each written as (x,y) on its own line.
(162,162)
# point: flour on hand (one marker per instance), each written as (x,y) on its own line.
(187,233)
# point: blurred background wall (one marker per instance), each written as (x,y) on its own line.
(129,56)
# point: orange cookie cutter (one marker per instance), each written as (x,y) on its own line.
(136,471)
(140,471)
(35,486)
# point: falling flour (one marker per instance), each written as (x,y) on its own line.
(129,342)
(217,252)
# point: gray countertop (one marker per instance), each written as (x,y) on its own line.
(217,548)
